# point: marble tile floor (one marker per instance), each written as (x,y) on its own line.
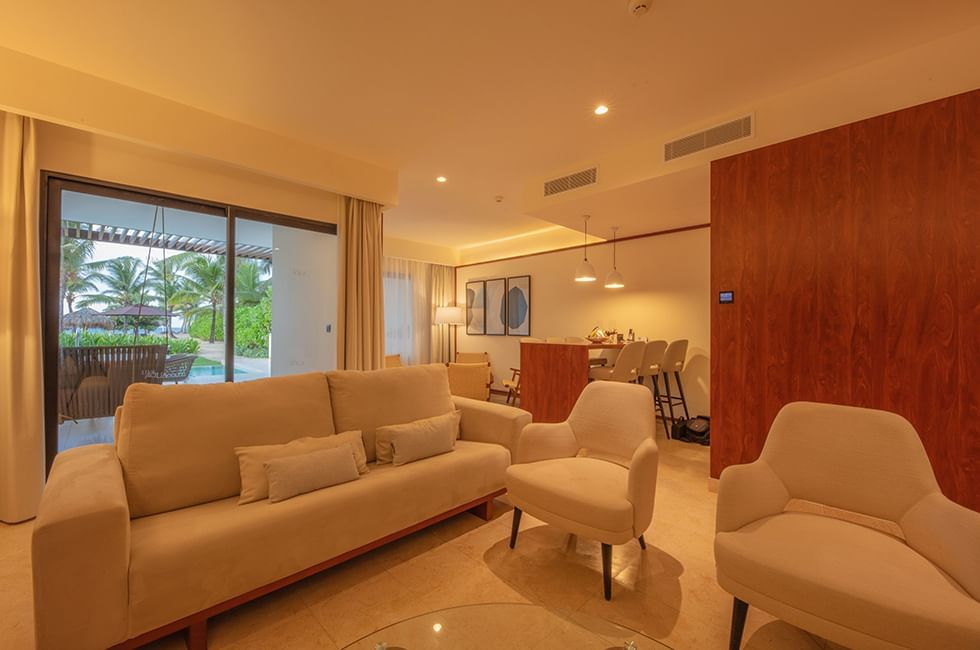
(667,592)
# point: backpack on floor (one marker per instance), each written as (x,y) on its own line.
(696,429)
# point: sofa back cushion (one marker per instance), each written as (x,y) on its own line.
(368,399)
(177,443)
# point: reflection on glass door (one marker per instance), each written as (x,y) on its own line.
(141,299)
(285,299)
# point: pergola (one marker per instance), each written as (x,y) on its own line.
(136,237)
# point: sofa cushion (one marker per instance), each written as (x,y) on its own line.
(368,399)
(585,490)
(251,460)
(190,559)
(176,443)
(853,575)
(291,476)
(408,446)
(441,426)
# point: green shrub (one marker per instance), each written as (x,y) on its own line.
(100,339)
(252,327)
(200,327)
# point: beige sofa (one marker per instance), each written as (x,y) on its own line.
(139,540)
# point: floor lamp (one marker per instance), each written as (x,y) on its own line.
(451,316)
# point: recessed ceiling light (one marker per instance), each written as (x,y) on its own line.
(440,179)
(601,109)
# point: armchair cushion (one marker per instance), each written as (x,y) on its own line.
(859,578)
(588,495)
(544,441)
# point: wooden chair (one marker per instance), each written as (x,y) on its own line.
(393,361)
(470,380)
(513,386)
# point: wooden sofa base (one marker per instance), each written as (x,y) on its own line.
(195,626)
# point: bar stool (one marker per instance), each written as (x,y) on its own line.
(674,359)
(653,359)
(629,359)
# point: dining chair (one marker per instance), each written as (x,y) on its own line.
(513,385)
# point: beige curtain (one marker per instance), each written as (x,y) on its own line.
(360,312)
(21,395)
(443,294)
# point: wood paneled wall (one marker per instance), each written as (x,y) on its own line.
(853,255)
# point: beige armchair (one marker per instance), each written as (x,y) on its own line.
(840,528)
(593,475)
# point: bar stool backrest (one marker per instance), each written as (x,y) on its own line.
(676,356)
(653,359)
(629,359)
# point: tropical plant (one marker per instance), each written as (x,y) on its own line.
(75,270)
(204,285)
(101,339)
(121,279)
(165,286)
(252,326)
(249,285)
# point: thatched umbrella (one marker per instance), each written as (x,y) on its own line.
(85,318)
(137,311)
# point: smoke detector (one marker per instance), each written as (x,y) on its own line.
(637,8)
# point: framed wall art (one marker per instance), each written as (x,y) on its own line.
(519,305)
(476,307)
(496,292)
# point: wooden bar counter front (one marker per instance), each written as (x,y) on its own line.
(552,377)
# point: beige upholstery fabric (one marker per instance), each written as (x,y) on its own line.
(80,552)
(472,357)
(187,560)
(596,474)
(653,359)
(176,443)
(251,460)
(21,372)
(489,422)
(410,445)
(366,400)
(855,576)
(360,308)
(393,361)
(848,582)
(470,380)
(292,476)
(676,356)
(446,426)
(625,366)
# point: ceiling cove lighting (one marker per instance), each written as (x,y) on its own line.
(601,109)
(585,272)
(615,279)
(440,179)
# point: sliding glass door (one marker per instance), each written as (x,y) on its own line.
(139,287)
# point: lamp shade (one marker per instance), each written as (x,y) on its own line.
(614,280)
(585,272)
(450,316)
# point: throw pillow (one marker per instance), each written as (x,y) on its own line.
(411,445)
(447,423)
(255,485)
(291,476)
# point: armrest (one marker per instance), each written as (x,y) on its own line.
(80,552)
(544,441)
(642,485)
(489,422)
(949,536)
(747,493)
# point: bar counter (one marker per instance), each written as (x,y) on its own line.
(553,375)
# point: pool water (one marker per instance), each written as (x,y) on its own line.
(211,371)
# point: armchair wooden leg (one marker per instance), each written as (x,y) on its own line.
(607,571)
(196,635)
(643,543)
(739,609)
(515,526)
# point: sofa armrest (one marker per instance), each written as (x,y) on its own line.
(544,441)
(642,484)
(747,493)
(949,536)
(80,552)
(489,422)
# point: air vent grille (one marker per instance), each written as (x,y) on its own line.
(570,182)
(722,134)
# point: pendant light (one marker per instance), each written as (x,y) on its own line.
(585,272)
(615,279)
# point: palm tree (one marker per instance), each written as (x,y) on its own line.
(249,285)
(121,279)
(165,286)
(75,270)
(204,281)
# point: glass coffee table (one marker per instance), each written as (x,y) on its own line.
(505,625)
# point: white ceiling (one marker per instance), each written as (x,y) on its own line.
(489,94)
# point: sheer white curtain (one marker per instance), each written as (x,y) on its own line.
(412,291)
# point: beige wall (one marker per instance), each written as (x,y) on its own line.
(666,297)
(71,151)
